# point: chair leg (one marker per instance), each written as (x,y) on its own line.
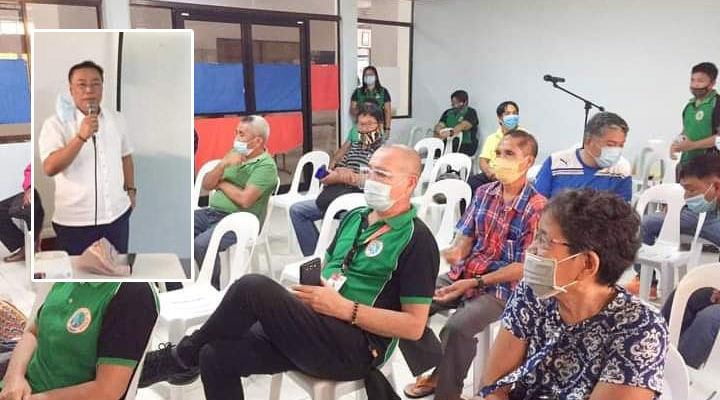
(276,386)
(481,353)
(645,281)
(291,233)
(268,258)
(667,281)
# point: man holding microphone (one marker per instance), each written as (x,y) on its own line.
(86,150)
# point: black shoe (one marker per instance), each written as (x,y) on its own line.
(163,365)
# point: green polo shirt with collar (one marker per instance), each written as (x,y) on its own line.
(84,324)
(260,172)
(697,123)
(398,267)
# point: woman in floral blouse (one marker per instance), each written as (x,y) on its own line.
(569,331)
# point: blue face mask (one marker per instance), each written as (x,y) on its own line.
(65,107)
(609,156)
(698,204)
(511,121)
(369,80)
(240,147)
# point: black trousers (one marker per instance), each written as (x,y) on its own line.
(75,239)
(261,328)
(12,207)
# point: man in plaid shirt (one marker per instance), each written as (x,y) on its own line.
(486,262)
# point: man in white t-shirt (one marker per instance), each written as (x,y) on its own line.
(86,150)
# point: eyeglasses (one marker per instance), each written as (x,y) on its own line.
(544,242)
(379,174)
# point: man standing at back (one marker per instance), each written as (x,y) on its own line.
(85,148)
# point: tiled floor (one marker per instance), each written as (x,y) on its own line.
(15,285)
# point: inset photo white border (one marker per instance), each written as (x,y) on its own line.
(146,105)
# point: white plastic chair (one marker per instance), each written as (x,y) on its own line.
(457,161)
(454,191)
(676,383)
(665,254)
(485,340)
(322,389)
(193,304)
(197,188)
(286,200)
(450,146)
(291,272)
(264,237)
(418,133)
(428,146)
(29,246)
(532,172)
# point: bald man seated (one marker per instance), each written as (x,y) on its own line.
(378,283)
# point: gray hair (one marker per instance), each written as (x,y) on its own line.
(601,122)
(259,125)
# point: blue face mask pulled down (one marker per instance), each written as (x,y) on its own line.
(511,121)
(699,204)
(65,107)
(609,156)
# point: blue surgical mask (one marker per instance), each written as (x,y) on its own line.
(698,204)
(511,121)
(241,147)
(370,79)
(609,156)
(377,195)
(65,107)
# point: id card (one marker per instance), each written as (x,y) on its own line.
(336,281)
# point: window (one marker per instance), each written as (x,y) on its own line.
(150,17)
(14,53)
(385,41)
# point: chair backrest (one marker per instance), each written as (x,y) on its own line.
(707,275)
(532,172)
(454,190)
(450,146)
(317,159)
(269,208)
(345,202)
(676,385)
(671,194)
(246,228)
(457,161)
(197,188)
(432,146)
(133,386)
(417,133)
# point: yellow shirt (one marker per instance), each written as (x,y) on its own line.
(491,143)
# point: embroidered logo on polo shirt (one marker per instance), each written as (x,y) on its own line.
(374,248)
(79,320)
(699,115)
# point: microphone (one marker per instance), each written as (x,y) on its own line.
(92,110)
(553,79)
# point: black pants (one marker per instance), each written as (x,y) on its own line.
(468,148)
(261,328)
(12,207)
(75,239)
(477,180)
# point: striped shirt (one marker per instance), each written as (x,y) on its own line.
(501,233)
(358,155)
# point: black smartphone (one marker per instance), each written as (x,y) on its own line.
(310,272)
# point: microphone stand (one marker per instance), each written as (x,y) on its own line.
(588,104)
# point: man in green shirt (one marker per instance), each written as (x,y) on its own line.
(243,181)
(380,271)
(85,343)
(701,116)
(459,118)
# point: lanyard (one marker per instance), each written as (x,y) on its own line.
(356,244)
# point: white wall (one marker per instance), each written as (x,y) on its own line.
(631,56)
(156,102)
(15,157)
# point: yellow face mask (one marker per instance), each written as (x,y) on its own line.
(506,171)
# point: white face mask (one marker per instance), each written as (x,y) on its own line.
(241,147)
(377,195)
(539,273)
(370,80)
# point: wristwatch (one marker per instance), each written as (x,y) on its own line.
(131,189)
(479,280)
